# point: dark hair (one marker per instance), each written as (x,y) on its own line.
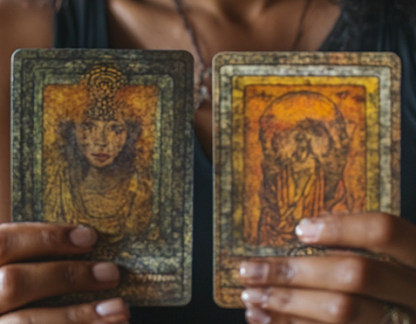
(78,164)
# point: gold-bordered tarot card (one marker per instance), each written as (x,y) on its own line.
(297,135)
(104,138)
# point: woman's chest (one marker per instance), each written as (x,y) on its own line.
(205,30)
(158,24)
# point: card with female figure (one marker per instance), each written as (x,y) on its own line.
(298,135)
(103,138)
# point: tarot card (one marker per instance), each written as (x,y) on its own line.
(103,138)
(298,135)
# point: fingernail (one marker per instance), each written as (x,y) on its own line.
(109,321)
(106,272)
(309,230)
(258,316)
(254,271)
(83,236)
(254,296)
(111,307)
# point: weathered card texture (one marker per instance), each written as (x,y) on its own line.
(103,138)
(297,135)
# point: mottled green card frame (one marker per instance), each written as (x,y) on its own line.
(229,246)
(158,272)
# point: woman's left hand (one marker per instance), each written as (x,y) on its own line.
(338,288)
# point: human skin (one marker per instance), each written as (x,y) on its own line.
(221,25)
(342,287)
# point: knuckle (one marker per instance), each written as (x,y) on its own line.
(341,308)
(334,227)
(353,274)
(72,274)
(283,272)
(9,284)
(17,319)
(6,243)
(280,298)
(49,238)
(81,314)
(290,320)
(381,230)
(281,319)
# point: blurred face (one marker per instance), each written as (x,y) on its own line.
(301,139)
(101,141)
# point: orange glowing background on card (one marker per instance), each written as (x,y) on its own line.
(128,193)
(306,151)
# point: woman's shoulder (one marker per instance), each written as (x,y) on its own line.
(23,26)
(30,16)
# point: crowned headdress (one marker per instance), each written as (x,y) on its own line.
(103,81)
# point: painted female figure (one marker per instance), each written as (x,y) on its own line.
(97,183)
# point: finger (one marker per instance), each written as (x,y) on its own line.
(379,233)
(112,320)
(320,306)
(112,311)
(24,283)
(258,316)
(29,240)
(117,319)
(357,275)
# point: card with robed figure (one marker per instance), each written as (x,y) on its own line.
(103,138)
(299,135)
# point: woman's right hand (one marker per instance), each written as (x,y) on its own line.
(22,283)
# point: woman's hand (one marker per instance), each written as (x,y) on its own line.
(341,287)
(23,283)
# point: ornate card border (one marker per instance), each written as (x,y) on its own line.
(162,267)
